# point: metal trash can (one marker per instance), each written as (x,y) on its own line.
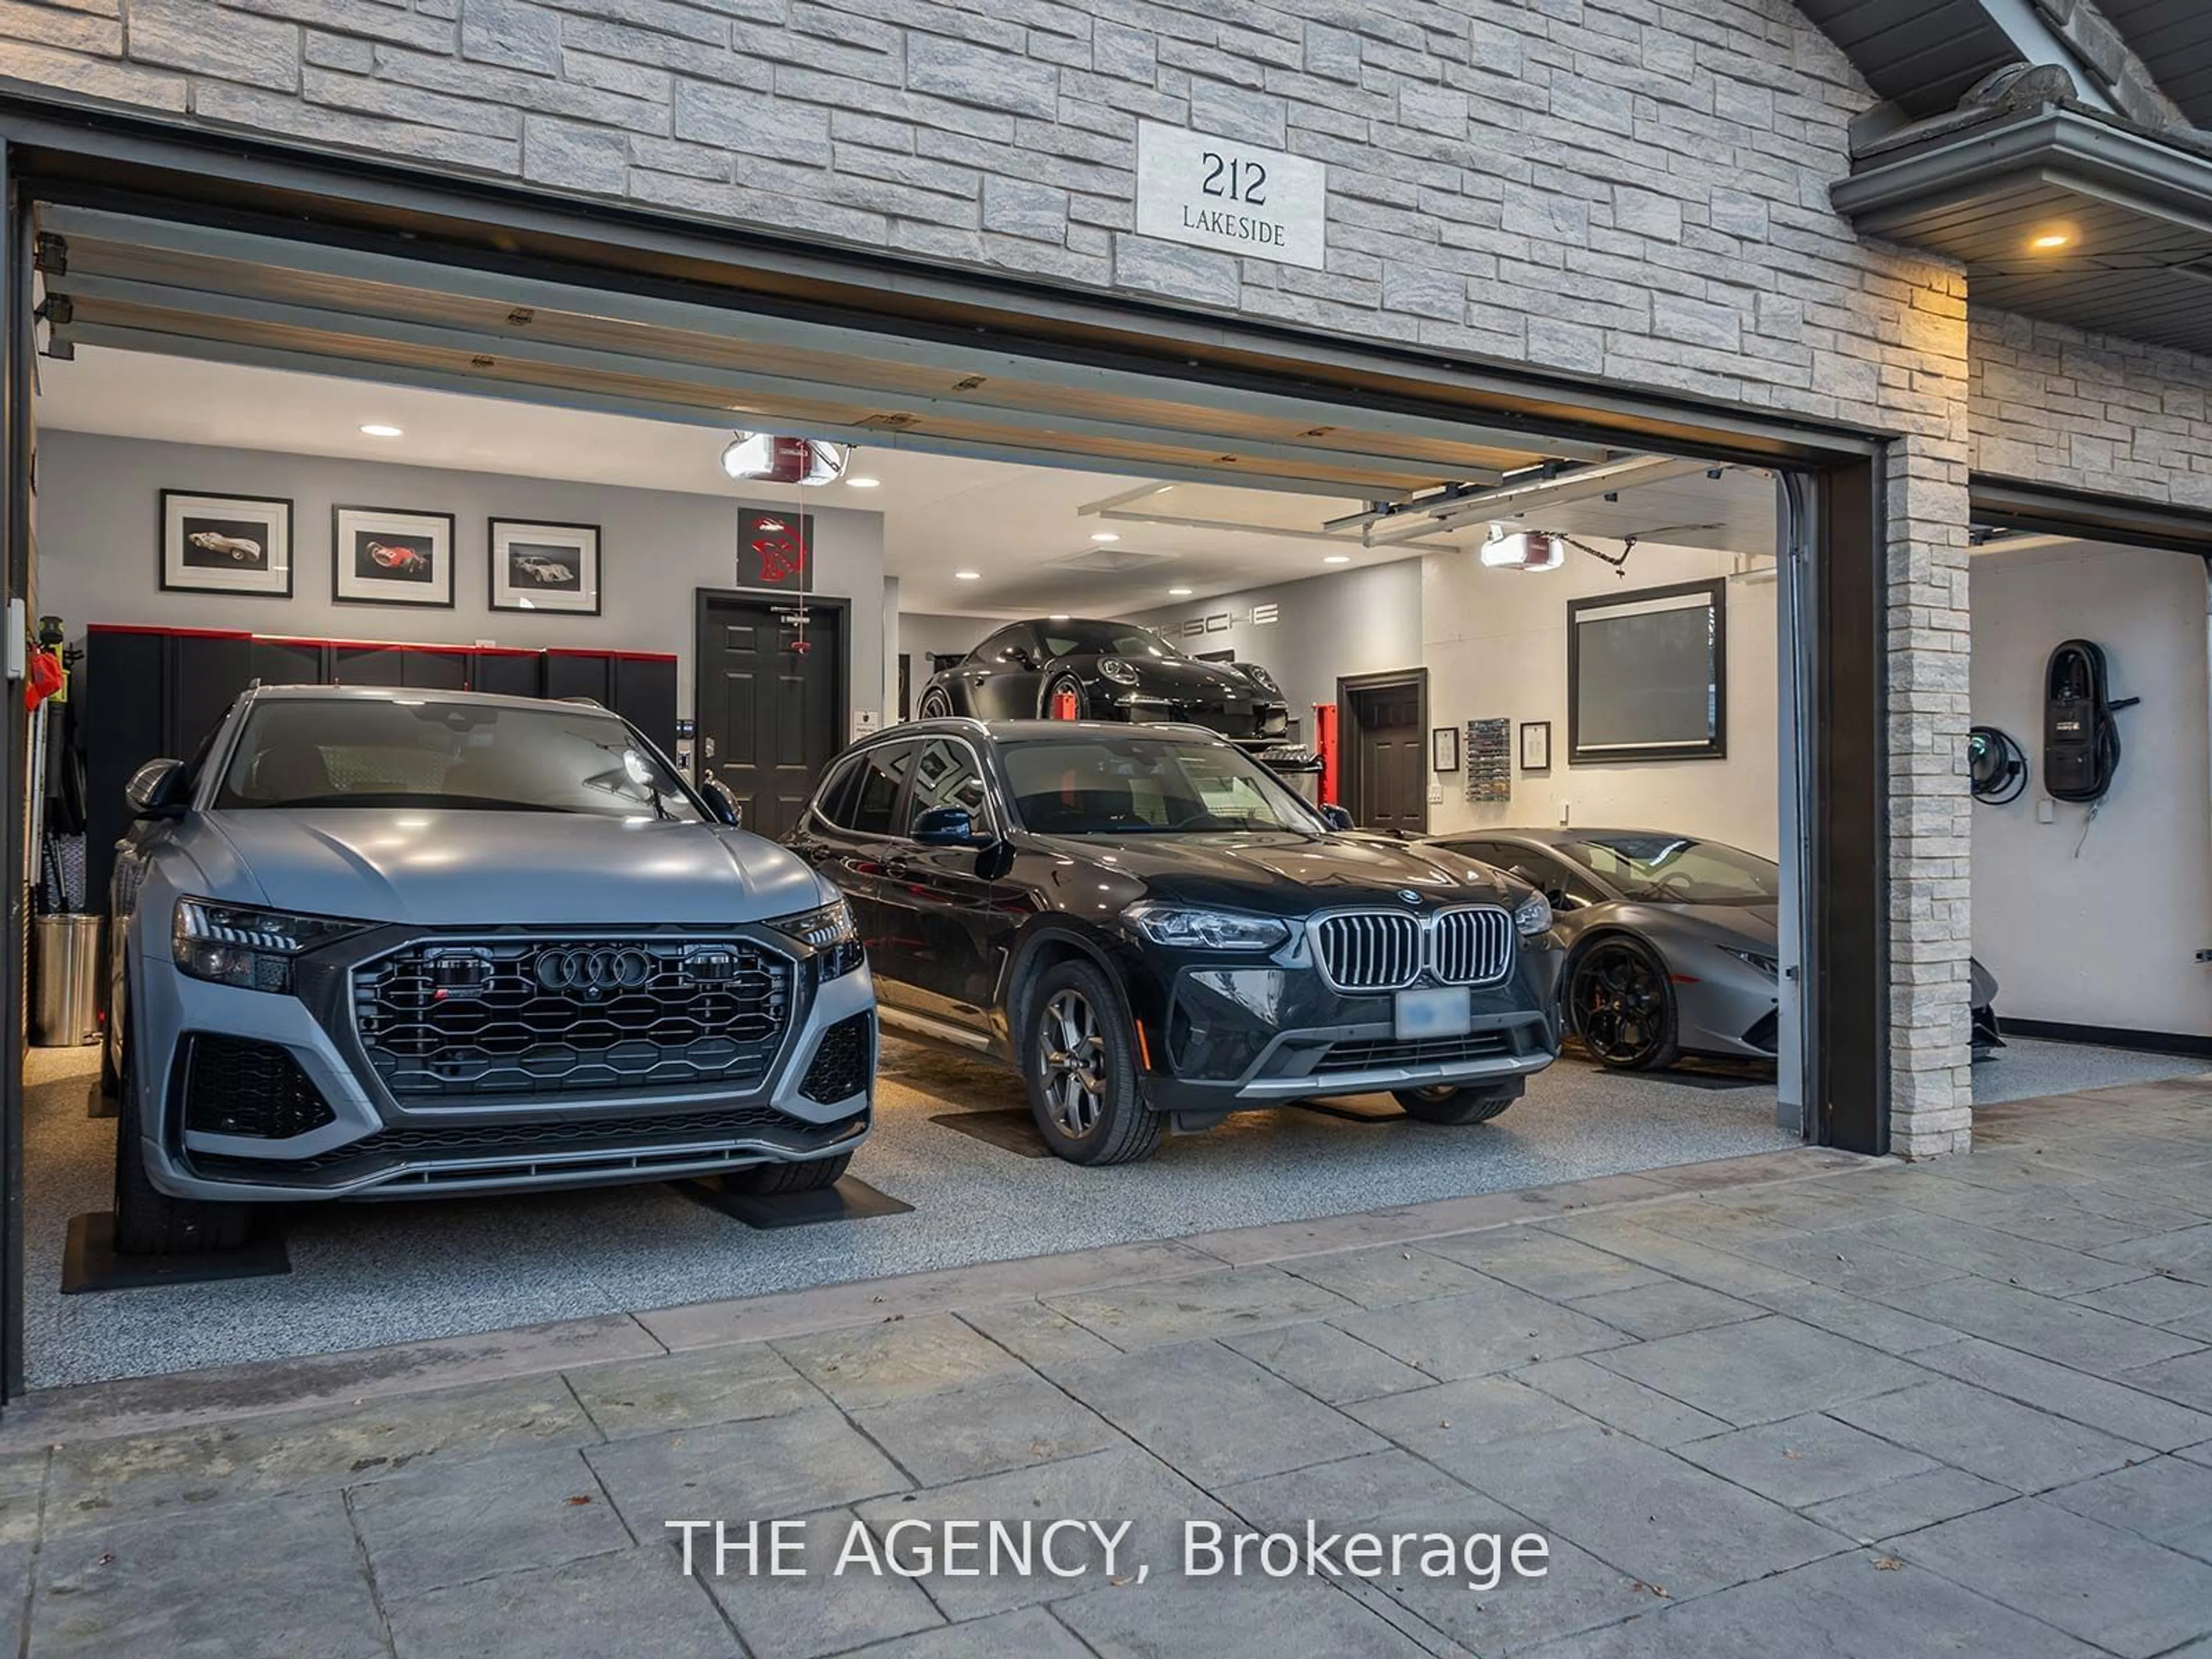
(65,994)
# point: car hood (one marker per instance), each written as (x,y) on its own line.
(474,869)
(1287,872)
(1746,927)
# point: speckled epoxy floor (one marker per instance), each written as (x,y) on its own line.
(367,1274)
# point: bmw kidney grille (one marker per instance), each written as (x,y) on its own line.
(1390,950)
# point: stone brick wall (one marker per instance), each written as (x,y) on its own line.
(2053,405)
(1635,189)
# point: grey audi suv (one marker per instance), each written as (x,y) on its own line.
(379,943)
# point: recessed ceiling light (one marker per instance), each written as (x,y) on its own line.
(1178,592)
(1104,535)
(2051,241)
(1057,615)
(378,429)
(1336,558)
(967,576)
(862,483)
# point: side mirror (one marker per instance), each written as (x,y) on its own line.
(1554,896)
(157,789)
(1020,657)
(1336,817)
(721,803)
(945,826)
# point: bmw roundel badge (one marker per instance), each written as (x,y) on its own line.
(1409,896)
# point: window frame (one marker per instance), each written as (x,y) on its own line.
(989,821)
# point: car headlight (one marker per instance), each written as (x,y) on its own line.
(1117,671)
(1188,928)
(1770,966)
(233,944)
(832,935)
(1533,914)
(1260,677)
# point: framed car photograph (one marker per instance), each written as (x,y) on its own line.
(225,544)
(391,555)
(536,565)
(1535,745)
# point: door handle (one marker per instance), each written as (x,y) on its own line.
(710,748)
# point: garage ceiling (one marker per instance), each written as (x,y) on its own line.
(960,434)
(1028,531)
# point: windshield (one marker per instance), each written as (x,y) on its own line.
(1105,639)
(1671,870)
(328,752)
(1145,786)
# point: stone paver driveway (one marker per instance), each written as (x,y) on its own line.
(1796,1403)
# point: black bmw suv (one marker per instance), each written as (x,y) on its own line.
(1151,927)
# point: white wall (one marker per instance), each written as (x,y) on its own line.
(2109,937)
(1495,644)
(1353,622)
(98,557)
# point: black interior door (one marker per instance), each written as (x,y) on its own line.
(770,714)
(1388,780)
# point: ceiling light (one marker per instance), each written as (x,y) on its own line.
(2051,241)
(967,576)
(1522,549)
(1178,592)
(1104,535)
(764,457)
(1337,558)
(1057,615)
(378,429)
(862,483)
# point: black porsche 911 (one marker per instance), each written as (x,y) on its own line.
(1114,672)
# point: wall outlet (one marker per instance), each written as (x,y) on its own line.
(1435,794)
(2046,811)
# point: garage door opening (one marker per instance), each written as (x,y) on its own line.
(1613,709)
(2091,861)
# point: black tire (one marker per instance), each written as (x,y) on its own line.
(1055,686)
(1079,1057)
(149,1221)
(1446,1104)
(936,704)
(1622,1006)
(766,1180)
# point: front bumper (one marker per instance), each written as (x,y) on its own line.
(1232,1038)
(373,1145)
(1251,724)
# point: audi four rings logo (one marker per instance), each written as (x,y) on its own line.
(593,971)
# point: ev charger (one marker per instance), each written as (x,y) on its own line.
(2080,739)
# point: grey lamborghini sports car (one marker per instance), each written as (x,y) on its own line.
(1671,941)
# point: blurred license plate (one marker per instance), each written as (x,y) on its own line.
(1447,1013)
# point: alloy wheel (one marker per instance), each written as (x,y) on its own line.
(1620,1006)
(1071,1055)
(935,705)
